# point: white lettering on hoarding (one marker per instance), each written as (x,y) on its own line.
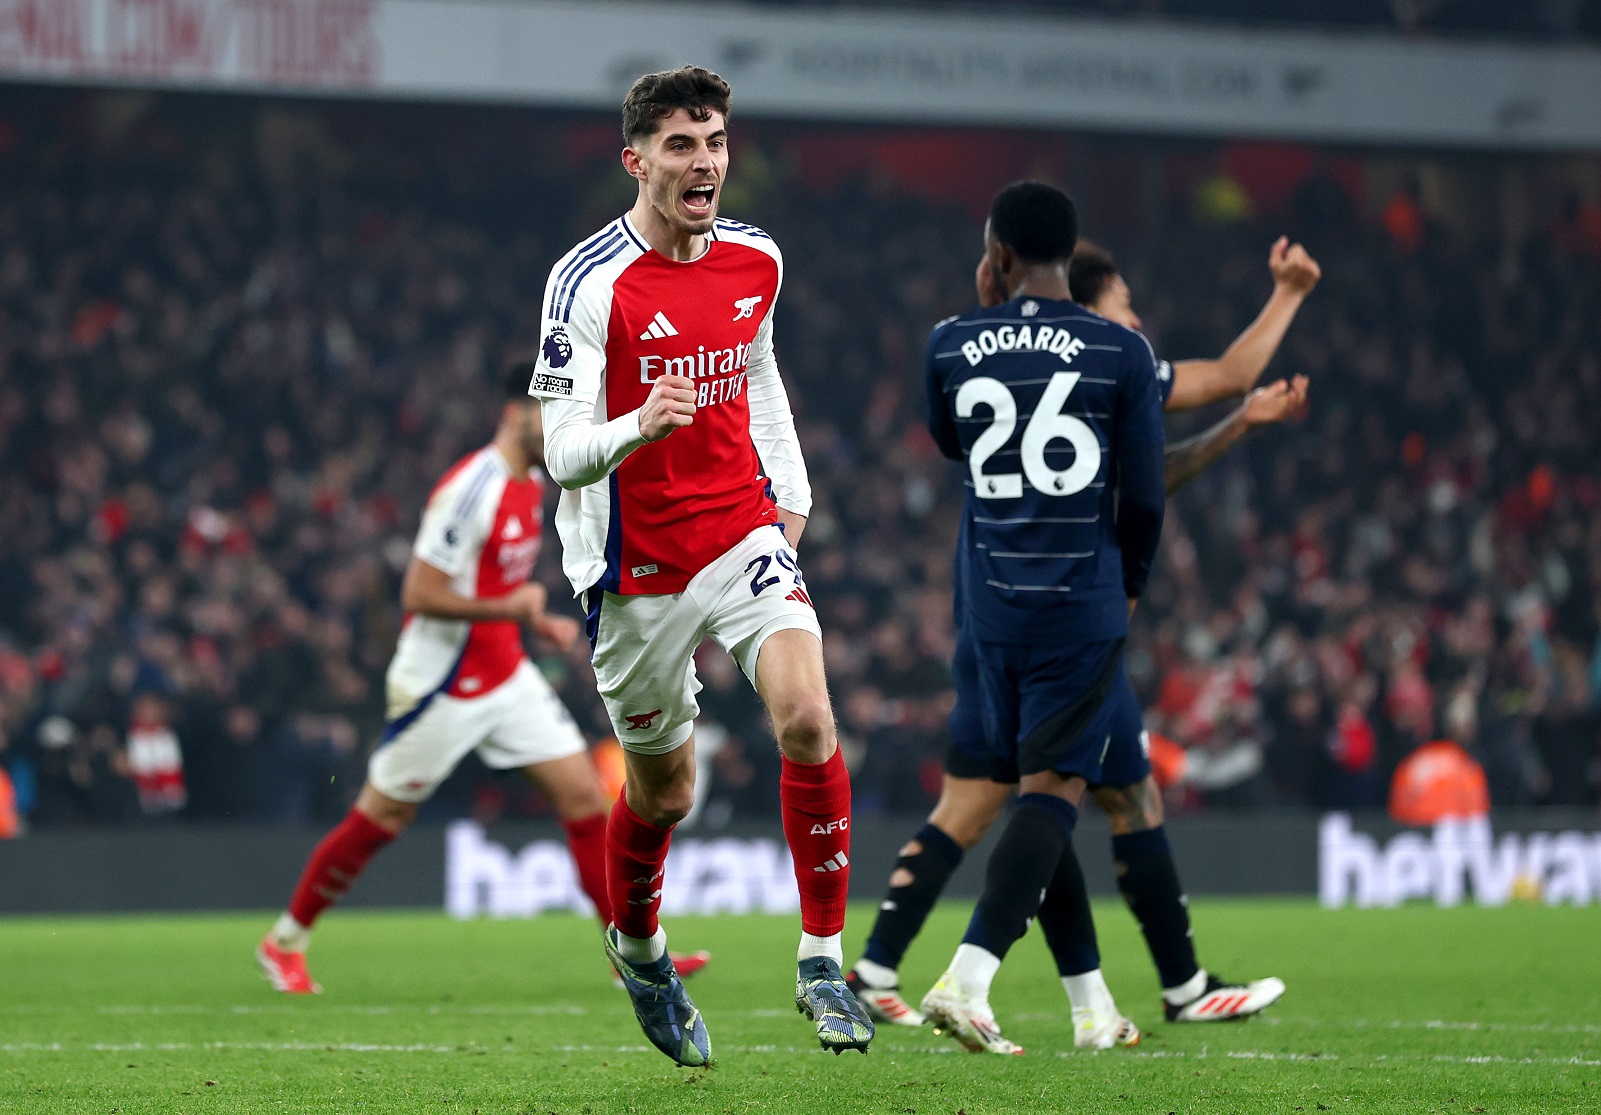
(927,67)
(1457,858)
(318,43)
(718,876)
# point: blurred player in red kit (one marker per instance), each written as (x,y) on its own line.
(460,680)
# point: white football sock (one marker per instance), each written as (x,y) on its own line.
(876,976)
(974,970)
(812,945)
(642,950)
(1089,992)
(1188,991)
(289,935)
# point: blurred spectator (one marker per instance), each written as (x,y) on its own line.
(10,818)
(1437,781)
(154,758)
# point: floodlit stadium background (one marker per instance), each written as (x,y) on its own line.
(261,265)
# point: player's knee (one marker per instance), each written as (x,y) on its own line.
(966,831)
(664,806)
(805,730)
(1133,808)
(385,811)
(964,821)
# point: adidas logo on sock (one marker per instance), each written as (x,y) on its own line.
(834,862)
(659,327)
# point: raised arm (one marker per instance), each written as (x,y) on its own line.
(581,449)
(1185,460)
(1199,382)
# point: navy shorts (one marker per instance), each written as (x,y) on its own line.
(1045,707)
(1126,760)
(1128,756)
(970,756)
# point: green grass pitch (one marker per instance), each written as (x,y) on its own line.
(1409,1010)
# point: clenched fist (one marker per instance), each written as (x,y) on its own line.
(526,603)
(670,405)
(1293,269)
(1276,402)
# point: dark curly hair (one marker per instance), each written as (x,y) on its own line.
(1036,220)
(653,97)
(1090,273)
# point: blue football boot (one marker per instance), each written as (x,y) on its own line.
(822,996)
(669,1018)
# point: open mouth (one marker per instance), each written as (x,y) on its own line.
(698,199)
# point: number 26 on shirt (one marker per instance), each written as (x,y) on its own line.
(1047,424)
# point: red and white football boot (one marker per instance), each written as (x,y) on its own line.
(285,970)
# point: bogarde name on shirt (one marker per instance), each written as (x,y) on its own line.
(1036,338)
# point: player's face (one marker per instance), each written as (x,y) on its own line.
(682,166)
(530,426)
(1116,304)
(990,293)
(992,280)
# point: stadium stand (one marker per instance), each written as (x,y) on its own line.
(239,339)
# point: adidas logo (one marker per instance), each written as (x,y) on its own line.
(659,327)
(514,529)
(834,862)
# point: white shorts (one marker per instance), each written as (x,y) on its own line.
(516,724)
(645,645)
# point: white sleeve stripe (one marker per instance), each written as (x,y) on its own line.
(579,267)
(475,489)
(628,229)
(566,310)
(730,225)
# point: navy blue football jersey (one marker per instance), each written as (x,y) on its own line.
(1056,413)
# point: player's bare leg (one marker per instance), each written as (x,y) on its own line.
(658,793)
(572,786)
(1148,879)
(815,792)
(334,865)
(1020,869)
(966,809)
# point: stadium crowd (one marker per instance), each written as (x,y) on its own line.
(238,345)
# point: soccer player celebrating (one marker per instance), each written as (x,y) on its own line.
(1056,413)
(974,791)
(460,680)
(663,409)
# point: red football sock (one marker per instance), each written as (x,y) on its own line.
(816,804)
(335,863)
(586,840)
(635,853)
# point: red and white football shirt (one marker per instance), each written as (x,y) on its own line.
(618,315)
(481,526)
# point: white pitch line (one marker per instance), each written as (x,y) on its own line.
(940,1050)
(1313,1058)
